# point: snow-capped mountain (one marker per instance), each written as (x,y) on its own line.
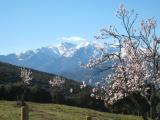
(63,59)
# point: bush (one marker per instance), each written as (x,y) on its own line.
(38,94)
(2,92)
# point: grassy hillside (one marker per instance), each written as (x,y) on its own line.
(9,111)
(11,74)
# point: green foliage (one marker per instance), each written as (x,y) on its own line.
(38,94)
(126,105)
(58,96)
(11,91)
(2,92)
(158,101)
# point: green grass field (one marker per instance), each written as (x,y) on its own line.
(9,111)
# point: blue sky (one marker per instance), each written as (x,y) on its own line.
(29,24)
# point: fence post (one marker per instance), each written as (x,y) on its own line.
(24,113)
(88,118)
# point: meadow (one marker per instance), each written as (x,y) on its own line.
(38,111)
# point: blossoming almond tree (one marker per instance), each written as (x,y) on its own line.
(26,76)
(56,82)
(137,62)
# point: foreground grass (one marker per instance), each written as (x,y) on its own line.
(9,111)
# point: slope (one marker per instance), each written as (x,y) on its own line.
(8,111)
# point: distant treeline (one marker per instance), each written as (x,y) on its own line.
(57,95)
(37,93)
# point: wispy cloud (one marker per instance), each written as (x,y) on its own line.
(75,39)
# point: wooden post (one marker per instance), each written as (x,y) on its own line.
(88,118)
(24,113)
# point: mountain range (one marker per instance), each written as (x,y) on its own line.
(63,59)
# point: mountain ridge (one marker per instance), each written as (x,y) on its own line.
(63,59)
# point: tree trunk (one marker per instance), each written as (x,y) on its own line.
(153,111)
(137,105)
(23,97)
(144,115)
(153,90)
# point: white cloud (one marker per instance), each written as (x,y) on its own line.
(74,39)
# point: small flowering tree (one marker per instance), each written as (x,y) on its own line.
(137,62)
(57,83)
(83,85)
(26,76)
